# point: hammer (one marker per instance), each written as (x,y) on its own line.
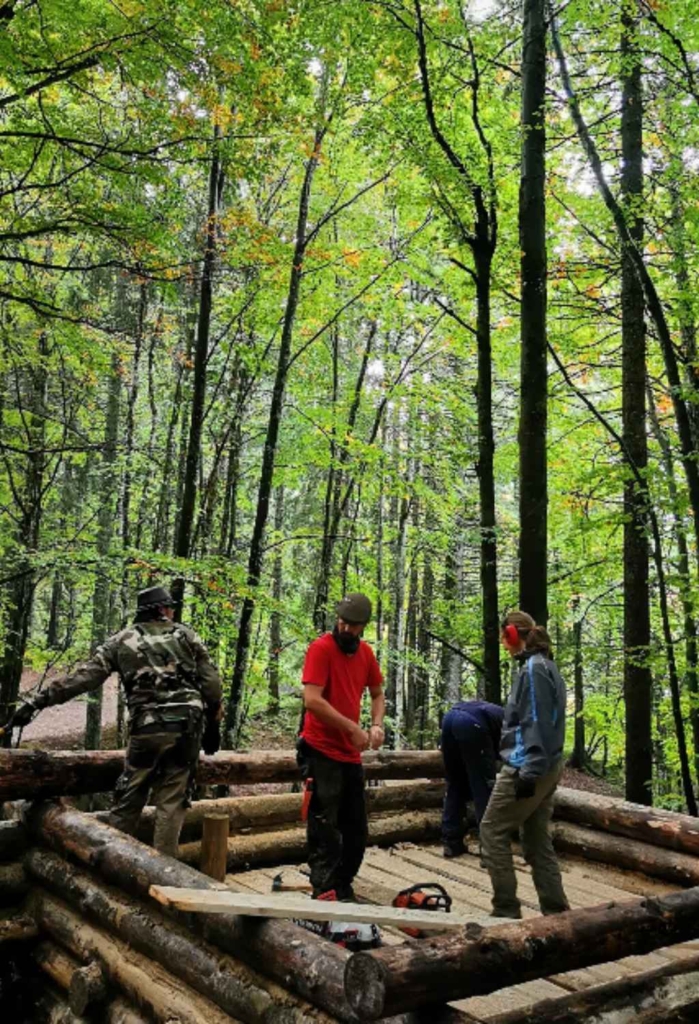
(277,885)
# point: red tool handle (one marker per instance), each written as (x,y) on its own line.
(306,802)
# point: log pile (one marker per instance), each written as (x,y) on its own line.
(304,975)
(111,954)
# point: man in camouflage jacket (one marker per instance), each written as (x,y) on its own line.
(172,691)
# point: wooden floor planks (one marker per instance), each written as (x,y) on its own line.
(385,872)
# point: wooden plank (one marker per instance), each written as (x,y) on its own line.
(399,870)
(618,878)
(516,997)
(292,905)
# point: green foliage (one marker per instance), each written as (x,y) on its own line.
(109,117)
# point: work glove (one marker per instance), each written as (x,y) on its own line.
(25,712)
(524,787)
(211,740)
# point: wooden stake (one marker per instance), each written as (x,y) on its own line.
(214,846)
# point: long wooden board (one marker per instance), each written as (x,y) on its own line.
(201,901)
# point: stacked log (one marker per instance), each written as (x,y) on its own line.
(35,775)
(263,813)
(290,844)
(149,986)
(297,960)
(393,979)
(678,832)
(656,861)
(234,987)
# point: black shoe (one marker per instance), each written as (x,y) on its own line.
(454,849)
(345,894)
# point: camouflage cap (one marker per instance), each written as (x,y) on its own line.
(154,597)
(354,608)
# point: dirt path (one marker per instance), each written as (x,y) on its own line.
(62,727)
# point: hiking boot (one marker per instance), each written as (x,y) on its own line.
(345,893)
(454,849)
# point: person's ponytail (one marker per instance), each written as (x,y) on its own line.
(538,641)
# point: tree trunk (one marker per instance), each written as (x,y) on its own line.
(685,581)
(396,978)
(490,616)
(201,352)
(578,757)
(235,988)
(275,619)
(637,676)
(270,448)
(101,596)
(20,596)
(533,496)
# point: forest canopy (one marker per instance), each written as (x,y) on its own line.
(302,297)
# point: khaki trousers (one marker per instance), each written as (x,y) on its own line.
(159,765)
(506,814)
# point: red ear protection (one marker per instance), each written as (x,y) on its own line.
(512,634)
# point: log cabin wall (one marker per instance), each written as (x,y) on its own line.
(76,893)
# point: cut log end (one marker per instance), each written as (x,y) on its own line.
(365,984)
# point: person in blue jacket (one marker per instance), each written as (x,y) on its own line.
(531,749)
(470,742)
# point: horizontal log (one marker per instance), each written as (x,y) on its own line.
(13,884)
(17,926)
(397,978)
(655,861)
(35,774)
(290,844)
(270,810)
(146,983)
(310,966)
(13,840)
(674,985)
(232,985)
(659,827)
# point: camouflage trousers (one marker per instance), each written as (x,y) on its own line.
(506,814)
(160,765)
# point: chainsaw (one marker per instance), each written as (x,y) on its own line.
(423,896)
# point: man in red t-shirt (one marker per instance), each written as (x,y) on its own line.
(339,666)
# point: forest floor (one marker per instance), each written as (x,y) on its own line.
(62,728)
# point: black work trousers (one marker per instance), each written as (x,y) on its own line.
(337,820)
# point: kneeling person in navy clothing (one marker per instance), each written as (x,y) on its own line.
(470,742)
(339,666)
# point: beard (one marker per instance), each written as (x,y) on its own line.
(347,643)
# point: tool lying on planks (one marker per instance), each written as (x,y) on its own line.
(351,935)
(418,897)
(278,885)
